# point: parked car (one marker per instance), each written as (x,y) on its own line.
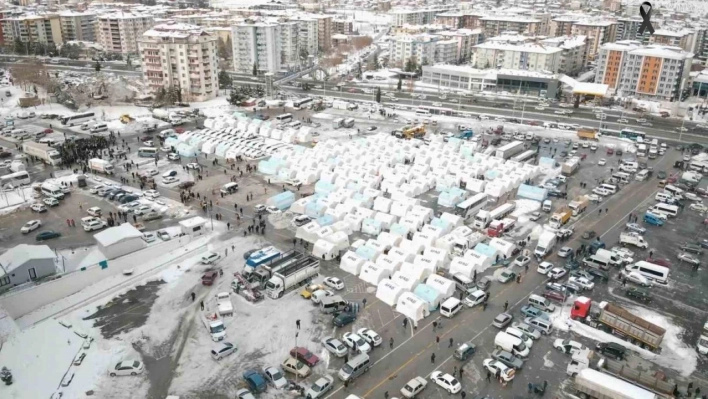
(127,367)
(557,273)
(334,282)
(31,226)
(564,252)
(507,359)
(47,235)
(638,294)
(526,329)
(688,258)
(583,282)
(356,342)
(611,349)
(255,381)
(370,336)
(568,346)
(292,365)
(343,319)
(505,372)
(414,387)
(502,320)
(224,349)
(304,355)
(335,346)
(320,387)
(275,377)
(446,381)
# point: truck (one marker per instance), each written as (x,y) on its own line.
(337,123)
(44,152)
(167,116)
(462,244)
(214,325)
(547,205)
(591,383)
(559,219)
(499,227)
(349,122)
(483,218)
(224,305)
(570,166)
(410,132)
(702,344)
(260,257)
(262,273)
(578,205)
(580,360)
(587,133)
(619,322)
(100,166)
(635,239)
(339,104)
(466,135)
(293,276)
(509,150)
(545,244)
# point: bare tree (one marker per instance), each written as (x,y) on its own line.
(362,41)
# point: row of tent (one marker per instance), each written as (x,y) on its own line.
(258,127)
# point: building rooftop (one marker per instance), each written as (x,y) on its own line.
(672,32)
(114,235)
(21,254)
(510,18)
(675,53)
(175,30)
(526,47)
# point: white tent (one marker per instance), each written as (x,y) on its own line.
(482,262)
(389,240)
(308,232)
(324,249)
(354,221)
(386,220)
(434,232)
(425,262)
(446,242)
(454,220)
(400,254)
(351,263)
(405,281)
(411,247)
(371,227)
(400,208)
(324,232)
(373,274)
(388,292)
(388,262)
(442,285)
(343,227)
(382,204)
(440,256)
(412,307)
(424,240)
(462,266)
(418,272)
(503,246)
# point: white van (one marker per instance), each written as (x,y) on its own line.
(511,344)
(51,190)
(294,125)
(354,367)
(651,271)
(229,188)
(525,338)
(542,303)
(450,307)
(101,127)
(675,191)
(664,197)
(642,175)
(332,304)
(609,187)
(464,283)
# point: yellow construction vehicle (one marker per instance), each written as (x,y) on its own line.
(125,118)
(411,132)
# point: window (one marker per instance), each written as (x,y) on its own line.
(5,281)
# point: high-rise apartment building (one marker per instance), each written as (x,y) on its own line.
(418,17)
(418,49)
(80,26)
(525,56)
(598,32)
(183,57)
(119,33)
(33,29)
(257,44)
(324,32)
(496,25)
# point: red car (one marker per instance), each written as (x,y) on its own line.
(660,262)
(304,355)
(179,130)
(610,151)
(47,131)
(554,295)
(209,277)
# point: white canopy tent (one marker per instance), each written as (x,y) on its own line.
(424,240)
(462,266)
(412,307)
(441,257)
(401,255)
(425,262)
(407,282)
(411,247)
(389,263)
(388,292)
(417,272)
(389,240)
(308,232)
(324,249)
(374,274)
(351,263)
(444,286)
(482,262)
(504,247)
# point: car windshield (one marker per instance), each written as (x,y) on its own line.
(276,375)
(136,364)
(347,368)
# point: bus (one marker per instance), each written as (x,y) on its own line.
(147,152)
(471,206)
(299,103)
(666,209)
(698,166)
(632,135)
(77,119)
(422,112)
(284,118)
(16,179)
(526,156)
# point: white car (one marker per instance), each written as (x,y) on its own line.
(94,211)
(692,197)
(446,381)
(170,180)
(684,257)
(544,267)
(370,336)
(127,367)
(320,387)
(273,210)
(173,156)
(31,226)
(535,216)
(594,198)
(601,191)
(567,346)
(582,282)
(557,273)
(565,252)
(51,201)
(129,207)
(152,193)
(163,235)
(522,261)
(96,224)
(635,228)
(334,282)
(356,342)
(193,165)
(506,373)
(39,208)
(698,207)
(148,143)
(149,237)
(602,162)
(94,189)
(210,258)
(622,121)
(244,393)
(637,278)
(151,172)
(474,298)
(275,377)
(142,210)
(413,387)
(224,349)
(335,346)
(259,208)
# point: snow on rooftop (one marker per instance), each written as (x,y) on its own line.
(675,53)
(179,30)
(583,299)
(193,222)
(113,235)
(21,254)
(526,48)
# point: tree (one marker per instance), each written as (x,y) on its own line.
(222,49)
(375,61)
(304,54)
(400,82)
(378,94)
(255,69)
(259,91)
(128,60)
(411,65)
(236,97)
(97,66)
(358,70)
(225,80)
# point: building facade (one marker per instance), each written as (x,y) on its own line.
(495,26)
(32,30)
(259,45)
(81,26)
(324,32)
(417,17)
(574,52)
(419,49)
(119,33)
(527,56)
(598,33)
(180,56)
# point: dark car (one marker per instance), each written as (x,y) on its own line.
(5,154)
(304,355)
(465,351)
(185,185)
(661,175)
(611,349)
(47,235)
(255,380)
(508,359)
(343,319)
(572,288)
(484,283)
(691,248)
(638,294)
(554,295)
(128,198)
(601,274)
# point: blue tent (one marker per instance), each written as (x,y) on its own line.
(532,192)
(437,222)
(366,252)
(282,201)
(400,230)
(546,162)
(486,250)
(324,187)
(313,210)
(325,220)
(429,295)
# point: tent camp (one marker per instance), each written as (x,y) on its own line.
(308,232)
(441,257)
(374,274)
(462,266)
(425,262)
(504,247)
(411,247)
(412,307)
(389,263)
(324,249)
(424,240)
(417,272)
(388,292)
(429,295)
(445,286)
(480,261)
(367,252)
(351,263)
(389,240)
(486,250)
(399,254)
(407,282)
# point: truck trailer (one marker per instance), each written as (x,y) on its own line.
(593,384)
(559,219)
(42,151)
(578,205)
(509,150)
(101,166)
(295,275)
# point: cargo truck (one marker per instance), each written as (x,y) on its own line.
(483,218)
(619,322)
(570,166)
(578,205)
(42,151)
(214,325)
(590,383)
(499,227)
(295,275)
(545,244)
(587,133)
(509,150)
(559,219)
(633,239)
(101,166)
(262,273)
(339,104)
(349,122)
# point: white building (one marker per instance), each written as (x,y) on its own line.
(307,35)
(121,240)
(180,56)
(257,44)
(574,52)
(81,26)
(25,263)
(417,17)
(527,56)
(119,33)
(420,49)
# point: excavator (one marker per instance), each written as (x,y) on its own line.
(410,132)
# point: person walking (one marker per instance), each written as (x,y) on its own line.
(297,324)
(435,325)
(202,304)
(454,371)
(405,323)
(451,341)
(463,394)
(506,305)
(432,358)
(437,339)
(193,296)
(390,343)
(489,376)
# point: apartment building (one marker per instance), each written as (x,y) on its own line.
(33,29)
(343,26)
(563,25)
(526,56)
(324,31)
(258,44)
(465,40)
(420,49)
(180,56)
(495,25)
(81,26)
(598,32)
(446,52)
(573,55)
(289,43)
(651,72)
(628,29)
(683,38)
(417,17)
(307,35)
(451,20)
(119,33)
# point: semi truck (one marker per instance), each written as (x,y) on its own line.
(559,219)
(633,239)
(462,244)
(42,151)
(499,227)
(483,218)
(619,322)
(167,116)
(101,166)
(264,272)
(509,150)
(545,244)
(578,205)
(260,257)
(339,104)
(570,166)
(591,383)
(587,133)
(292,276)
